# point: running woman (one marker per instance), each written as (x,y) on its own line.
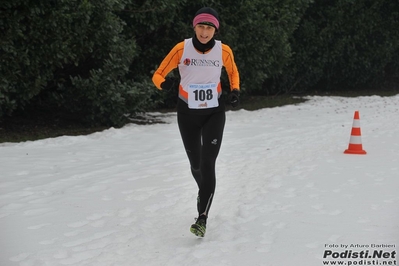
(200,109)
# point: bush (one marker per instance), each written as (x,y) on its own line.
(343,45)
(259,35)
(94,59)
(67,55)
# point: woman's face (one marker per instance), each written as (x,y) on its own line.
(204,32)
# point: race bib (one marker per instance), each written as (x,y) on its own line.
(202,96)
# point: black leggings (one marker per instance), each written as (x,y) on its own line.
(202,137)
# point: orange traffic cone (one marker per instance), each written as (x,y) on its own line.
(355,141)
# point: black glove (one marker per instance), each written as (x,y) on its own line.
(234,98)
(168,83)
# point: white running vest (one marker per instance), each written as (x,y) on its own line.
(200,76)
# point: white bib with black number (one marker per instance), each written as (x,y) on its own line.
(202,96)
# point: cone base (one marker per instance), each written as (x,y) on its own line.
(355,152)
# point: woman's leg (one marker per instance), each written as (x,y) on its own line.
(202,138)
(190,127)
(212,134)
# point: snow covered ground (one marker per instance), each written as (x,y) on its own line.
(286,193)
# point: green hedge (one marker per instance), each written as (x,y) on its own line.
(343,45)
(70,56)
(95,59)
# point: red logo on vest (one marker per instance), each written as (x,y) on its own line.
(187,61)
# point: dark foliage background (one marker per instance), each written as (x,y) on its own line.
(93,60)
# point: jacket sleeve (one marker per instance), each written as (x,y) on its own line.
(231,67)
(170,62)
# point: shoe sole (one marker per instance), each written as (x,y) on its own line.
(197,230)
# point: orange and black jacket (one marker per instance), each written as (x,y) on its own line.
(173,59)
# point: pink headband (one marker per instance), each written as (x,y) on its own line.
(205,17)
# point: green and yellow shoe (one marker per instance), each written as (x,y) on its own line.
(199,227)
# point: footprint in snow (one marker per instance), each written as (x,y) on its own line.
(61,254)
(78,224)
(73,233)
(48,242)
(20,257)
(106,198)
(39,226)
(124,213)
(13,206)
(335,212)
(98,224)
(35,212)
